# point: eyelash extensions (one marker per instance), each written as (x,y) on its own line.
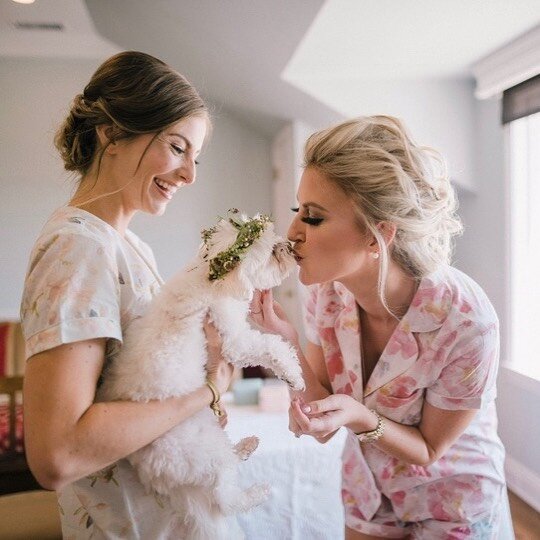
(309,220)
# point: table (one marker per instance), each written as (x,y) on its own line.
(305,477)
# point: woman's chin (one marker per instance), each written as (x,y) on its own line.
(305,279)
(155,209)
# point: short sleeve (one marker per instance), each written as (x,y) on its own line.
(71,292)
(468,379)
(310,306)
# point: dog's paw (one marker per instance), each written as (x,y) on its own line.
(244,448)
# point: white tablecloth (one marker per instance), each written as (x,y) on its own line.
(305,477)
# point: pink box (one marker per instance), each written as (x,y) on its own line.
(274,396)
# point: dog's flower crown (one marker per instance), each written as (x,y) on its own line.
(249,231)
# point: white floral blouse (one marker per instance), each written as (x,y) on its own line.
(86,281)
(444,351)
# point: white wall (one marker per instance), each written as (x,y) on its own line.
(482,254)
(438,113)
(235,171)
(287,159)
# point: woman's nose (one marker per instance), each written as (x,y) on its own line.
(295,234)
(187,171)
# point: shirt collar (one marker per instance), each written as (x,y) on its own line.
(429,308)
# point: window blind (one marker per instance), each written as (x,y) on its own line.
(521,100)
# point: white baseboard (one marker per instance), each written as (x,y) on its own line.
(523,482)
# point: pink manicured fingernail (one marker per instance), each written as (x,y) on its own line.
(306,408)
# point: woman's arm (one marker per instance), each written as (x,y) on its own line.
(314,368)
(68,436)
(269,316)
(317,387)
(425,444)
(421,445)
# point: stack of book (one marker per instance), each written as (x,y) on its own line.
(12,363)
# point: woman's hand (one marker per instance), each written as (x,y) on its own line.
(269,316)
(219,371)
(324,417)
(313,392)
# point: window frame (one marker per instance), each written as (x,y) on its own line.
(528,378)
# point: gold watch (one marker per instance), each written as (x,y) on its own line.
(374,435)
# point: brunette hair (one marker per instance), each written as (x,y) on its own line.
(132,92)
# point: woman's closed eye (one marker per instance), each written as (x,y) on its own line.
(178,150)
(308,219)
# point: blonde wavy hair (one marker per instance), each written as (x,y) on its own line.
(391,179)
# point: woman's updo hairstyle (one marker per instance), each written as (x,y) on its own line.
(133,92)
(391,179)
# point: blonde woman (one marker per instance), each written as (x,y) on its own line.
(402,348)
(132,137)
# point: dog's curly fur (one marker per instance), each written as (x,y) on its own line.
(164,354)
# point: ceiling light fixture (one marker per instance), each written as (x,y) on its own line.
(24,1)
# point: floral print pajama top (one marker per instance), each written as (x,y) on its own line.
(444,351)
(86,281)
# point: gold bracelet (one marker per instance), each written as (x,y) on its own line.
(215,398)
(375,434)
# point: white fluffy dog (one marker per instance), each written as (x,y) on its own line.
(164,354)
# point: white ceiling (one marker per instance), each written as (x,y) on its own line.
(407,39)
(367,56)
(232,50)
(266,59)
(77,37)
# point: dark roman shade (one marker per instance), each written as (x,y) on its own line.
(521,100)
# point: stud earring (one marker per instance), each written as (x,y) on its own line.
(375,254)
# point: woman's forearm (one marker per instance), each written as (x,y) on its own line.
(402,442)
(309,376)
(105,433)
(312,381)
(406,443)
(421,445)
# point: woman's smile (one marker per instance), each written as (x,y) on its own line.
(167,189)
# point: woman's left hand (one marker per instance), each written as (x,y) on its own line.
(323,417)
(269,316)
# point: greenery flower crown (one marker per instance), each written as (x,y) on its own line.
(248,232)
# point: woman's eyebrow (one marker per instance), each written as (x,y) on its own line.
(315,205)
(186,140)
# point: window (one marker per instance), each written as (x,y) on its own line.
(524,202)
